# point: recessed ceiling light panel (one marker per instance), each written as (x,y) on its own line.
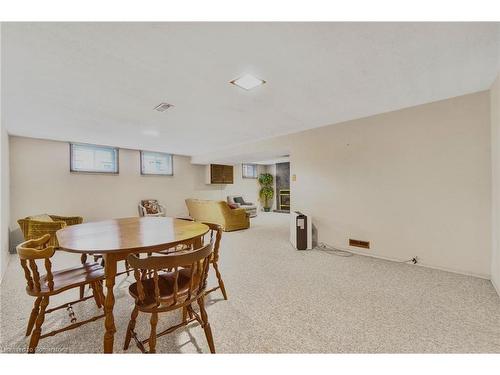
(163,107)
(247,82)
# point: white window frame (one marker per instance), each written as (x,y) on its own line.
(116,158)
(248,176)
(170,156)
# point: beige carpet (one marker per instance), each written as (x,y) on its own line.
(282,300)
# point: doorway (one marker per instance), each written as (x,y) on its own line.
(283,198)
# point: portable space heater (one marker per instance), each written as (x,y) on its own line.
(300,230)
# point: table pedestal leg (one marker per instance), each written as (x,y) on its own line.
(109,321)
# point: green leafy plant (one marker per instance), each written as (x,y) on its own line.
(266,192)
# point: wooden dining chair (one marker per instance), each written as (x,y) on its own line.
(42,287)
(34,227)
(215,232)
(156,291)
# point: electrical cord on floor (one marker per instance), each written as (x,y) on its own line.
(413,260)
(344,253)
(331,250)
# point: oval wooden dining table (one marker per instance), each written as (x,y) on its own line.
(117,238)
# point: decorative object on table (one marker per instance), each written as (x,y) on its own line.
(54,282)
(266,192)
(218,212)
(151,207)
(156,291)
(236,201)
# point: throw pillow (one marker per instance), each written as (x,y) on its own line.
(43,217)
(239,200)
(151,206)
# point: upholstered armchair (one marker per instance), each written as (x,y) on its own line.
(218,212)
(34,227)
(239,202)
(151,207)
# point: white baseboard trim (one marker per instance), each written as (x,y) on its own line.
(460,272)
(497,289)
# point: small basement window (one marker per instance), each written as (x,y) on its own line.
(157,163)
(249,170)
(93,159)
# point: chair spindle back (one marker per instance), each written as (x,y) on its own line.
(29,252)
(215,234)
(196,262)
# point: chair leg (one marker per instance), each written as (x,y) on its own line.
(219,278)
(35,336)
(190,311)
(83,260)
(100,292)
(130,328)
(95,293)
(187,311)
(127,267)
(34,314)
(206,324)
(152,335)
(184,313)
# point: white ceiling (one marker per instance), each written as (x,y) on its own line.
(284,159)
(99,82)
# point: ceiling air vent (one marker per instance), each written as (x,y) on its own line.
(163,107)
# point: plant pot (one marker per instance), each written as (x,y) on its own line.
(267,209)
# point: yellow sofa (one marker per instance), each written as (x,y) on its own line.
(218,212)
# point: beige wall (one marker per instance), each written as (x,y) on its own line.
(41,182)
(414,182)
(4,197)
(4,192)
(495,164)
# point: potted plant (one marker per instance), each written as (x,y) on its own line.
(266,192)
